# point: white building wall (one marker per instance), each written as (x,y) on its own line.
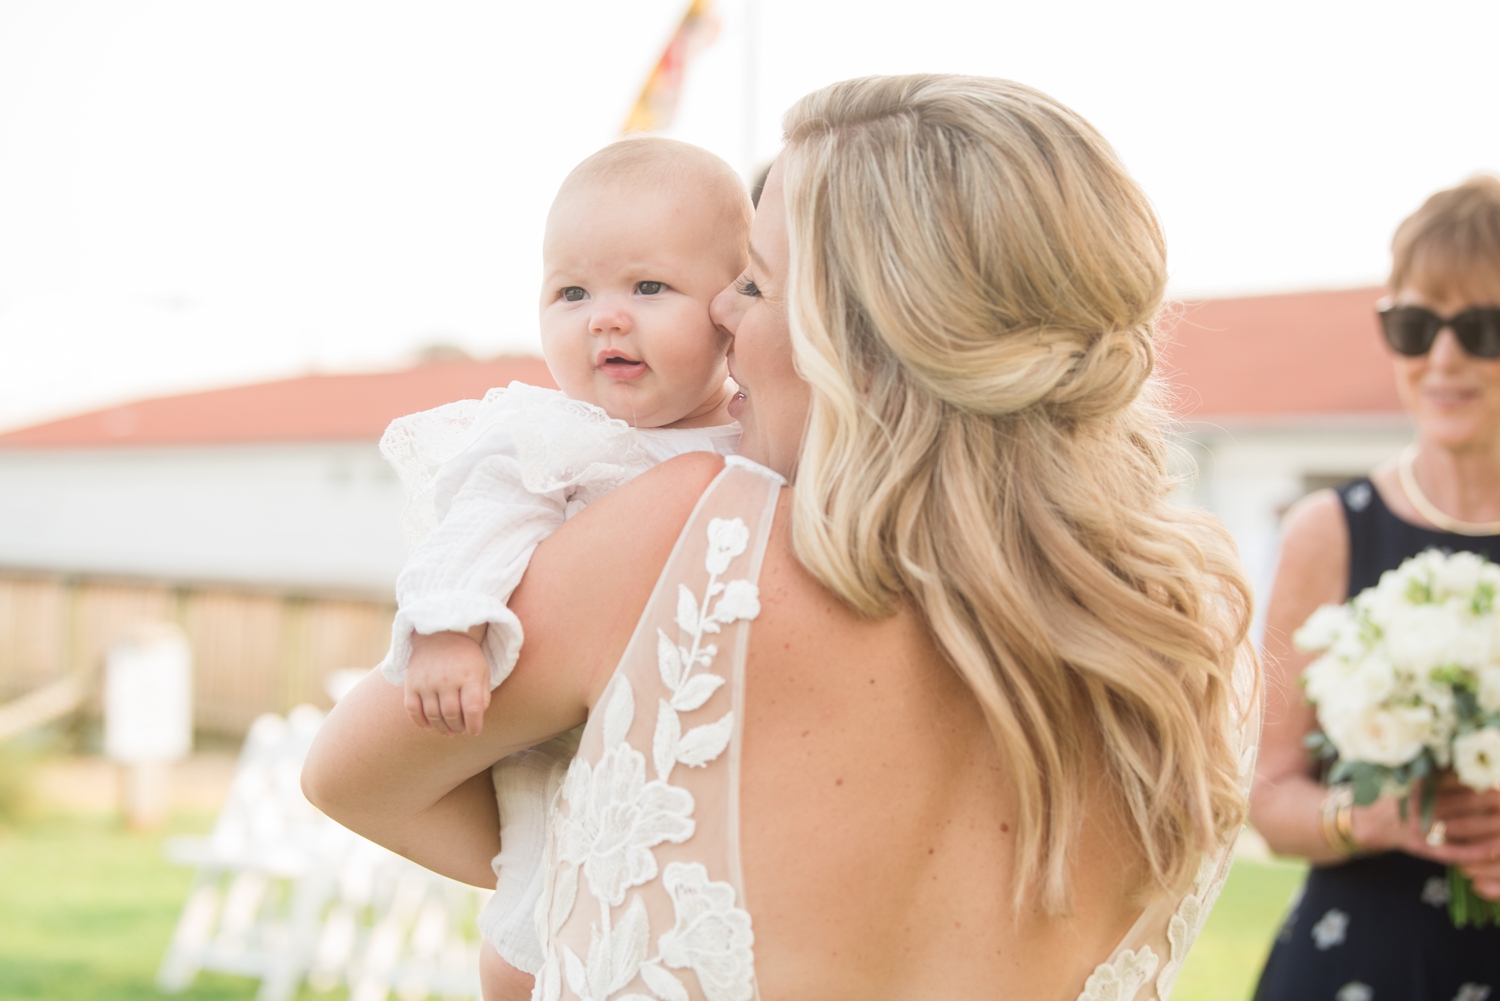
(320,515)
(327,515)
(1248,475)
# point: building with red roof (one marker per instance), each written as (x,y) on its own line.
(1279,395)
(277,484)
(281,483)
(1279,358)
(349,407)
(263,519)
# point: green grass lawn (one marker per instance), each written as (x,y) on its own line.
(1226,961)
(86,910)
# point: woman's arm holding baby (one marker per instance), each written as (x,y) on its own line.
(429,797)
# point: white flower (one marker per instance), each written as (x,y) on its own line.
(1458,575)
(1435,891)
(727,538)
(1318,632)
(1326,679)
(1423,637)
(1489,688)
(1122,979)
(615,817)
(1476,758)
(1471,642)
(1330,930)
(1377,735)
(741,600)
(710,933)
(1354,991)
(1442,709)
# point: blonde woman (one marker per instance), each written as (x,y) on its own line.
(1372,920)
(930,692)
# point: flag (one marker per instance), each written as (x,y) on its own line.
(657,105)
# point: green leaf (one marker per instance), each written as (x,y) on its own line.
(1367,783)
(1429,801)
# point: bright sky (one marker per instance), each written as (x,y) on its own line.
(196,194)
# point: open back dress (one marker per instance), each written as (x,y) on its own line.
(644,897)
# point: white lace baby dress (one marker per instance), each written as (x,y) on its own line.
(644,897)
(487,481)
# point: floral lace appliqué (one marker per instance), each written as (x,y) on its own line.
(1120,980)
(616,817)
(1183,929)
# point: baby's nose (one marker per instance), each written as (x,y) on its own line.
(609,317)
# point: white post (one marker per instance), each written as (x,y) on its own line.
(148,717)
(751,86)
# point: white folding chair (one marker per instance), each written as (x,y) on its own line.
(282,893)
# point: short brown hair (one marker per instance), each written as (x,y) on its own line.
(1455,233)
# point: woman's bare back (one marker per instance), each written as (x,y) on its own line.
(877,818)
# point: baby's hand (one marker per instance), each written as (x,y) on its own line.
(448,682)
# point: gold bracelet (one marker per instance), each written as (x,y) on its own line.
(1344,823)
(1330,822)
(1338,821)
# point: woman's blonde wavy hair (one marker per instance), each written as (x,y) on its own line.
(974,281)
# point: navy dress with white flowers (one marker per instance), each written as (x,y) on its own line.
(1377,928)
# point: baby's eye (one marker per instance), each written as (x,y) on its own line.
(574,293)
(649,288)
(747,287)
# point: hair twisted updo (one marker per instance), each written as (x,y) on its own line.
(973,285)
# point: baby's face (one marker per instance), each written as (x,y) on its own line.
(628,276)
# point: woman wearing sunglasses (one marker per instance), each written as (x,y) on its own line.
(1372,921)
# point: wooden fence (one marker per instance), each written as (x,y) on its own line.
(254,651)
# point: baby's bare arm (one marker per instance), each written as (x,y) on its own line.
(432,800)
(448,682)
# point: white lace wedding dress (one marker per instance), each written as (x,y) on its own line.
(643,896)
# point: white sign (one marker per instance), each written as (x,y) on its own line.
(148,697)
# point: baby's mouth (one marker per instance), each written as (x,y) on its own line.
(618,365)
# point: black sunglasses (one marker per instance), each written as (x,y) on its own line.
(1410,330)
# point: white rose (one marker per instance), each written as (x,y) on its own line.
(1351,644)
(1328,680)
(1321,628)
(1489,688)
(1376,679)
(1476,758)
(1422,638)
(1458,575)
(1470,643)
(1438,698)
(1378,735)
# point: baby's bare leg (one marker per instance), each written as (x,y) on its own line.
(499,980)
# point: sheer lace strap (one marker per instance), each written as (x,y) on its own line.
(644,896)
(1145,965)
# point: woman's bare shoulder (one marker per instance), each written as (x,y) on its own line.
(1315,542)
(1313,571)
(588,583)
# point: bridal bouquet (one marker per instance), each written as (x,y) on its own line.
(1408,685)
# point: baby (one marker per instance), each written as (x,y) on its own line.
(640,238)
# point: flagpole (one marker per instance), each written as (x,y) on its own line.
(751,85)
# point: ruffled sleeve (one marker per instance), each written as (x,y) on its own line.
(488,481)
